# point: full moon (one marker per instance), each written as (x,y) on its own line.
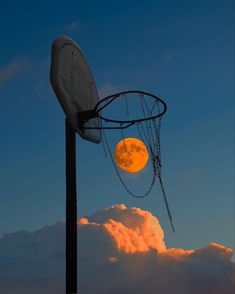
(131,155)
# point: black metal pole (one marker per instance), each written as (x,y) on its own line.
(71,210)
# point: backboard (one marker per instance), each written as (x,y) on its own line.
(74,86)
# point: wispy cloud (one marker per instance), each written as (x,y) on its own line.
(109,89)
(167,57)
(34,71)
(16,67)
(72,26)
(120,250)
(193,172)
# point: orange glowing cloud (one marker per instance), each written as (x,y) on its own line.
(132,230)
(134,256)
(120,250)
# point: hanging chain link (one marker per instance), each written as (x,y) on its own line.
(149,132)
(121,179)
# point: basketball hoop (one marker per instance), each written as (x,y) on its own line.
(141,112)
(85,116)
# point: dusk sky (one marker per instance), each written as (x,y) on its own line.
(182,51)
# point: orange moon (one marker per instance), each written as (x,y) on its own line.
(131,155)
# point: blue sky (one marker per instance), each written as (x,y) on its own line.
(179,50)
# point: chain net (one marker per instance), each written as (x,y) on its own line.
(148,130)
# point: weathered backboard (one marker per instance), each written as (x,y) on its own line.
(74,85)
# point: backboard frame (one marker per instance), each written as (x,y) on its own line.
(74,86)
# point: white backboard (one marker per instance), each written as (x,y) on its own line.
(74,85)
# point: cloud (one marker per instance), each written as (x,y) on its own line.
(108,89)
(33,72)
(121,250)
(16,67)
(72,26)
(167,57)
(193,172)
